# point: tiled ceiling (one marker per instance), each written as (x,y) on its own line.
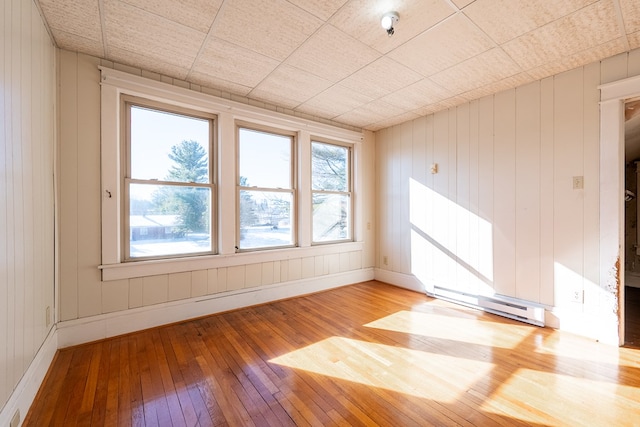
(331,58)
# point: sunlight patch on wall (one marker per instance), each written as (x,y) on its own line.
(462,258)
(417,373)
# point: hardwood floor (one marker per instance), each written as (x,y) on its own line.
(363,355)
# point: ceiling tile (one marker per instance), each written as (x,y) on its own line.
(150,35)
(391,121)
(631,14)
(381,77)
(76,17)
(148,63)
(214,82)
(333,102)
(332,54)
(371,113)
(589,27)
(462,3)
(417,95)
(289,86)
(634,40)
(274,28)
(504,84)
(322,9)
(504,20)
(488,67)
(73,42)
(197,14)
(361,20)
(560,65)
(233,63)
(443,46)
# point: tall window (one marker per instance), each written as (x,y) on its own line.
(331,192)
(168,182)
(265,189)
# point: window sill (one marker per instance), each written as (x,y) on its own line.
(134,269)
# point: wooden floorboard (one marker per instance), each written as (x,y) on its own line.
(363,355)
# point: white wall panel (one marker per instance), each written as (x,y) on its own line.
(504,219)
(27,140)
(568,202)
(547,179)
(527,181)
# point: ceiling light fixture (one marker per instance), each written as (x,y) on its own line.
(388,20)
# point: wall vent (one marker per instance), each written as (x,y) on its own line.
(524,311)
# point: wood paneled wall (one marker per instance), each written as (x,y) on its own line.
(82,293)
(501,211)
(27,138)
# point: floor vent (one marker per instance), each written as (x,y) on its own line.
(523,311)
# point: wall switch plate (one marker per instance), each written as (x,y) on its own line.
(385,260)
(434,168)
(578,182)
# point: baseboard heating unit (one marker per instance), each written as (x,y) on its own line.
(524,311)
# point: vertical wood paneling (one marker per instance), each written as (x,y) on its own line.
(474,223)
(504,221)
(440,209)
(527,181)
(451,199)
(485,191)
(26,188)
(568,203)
(88,149)
(383,202)
(592,187)
(462,205)
(405,144)
(68,184)
(546,192)
(395,148)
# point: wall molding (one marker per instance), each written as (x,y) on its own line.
(80,331)
(28,386)
(401,280)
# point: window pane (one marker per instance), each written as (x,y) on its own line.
(329,167)
(168,220)
(169,147)
(330,217)
(265,159)
(265,219)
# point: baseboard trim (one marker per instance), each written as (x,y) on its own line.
(401,280)
(95,328)
(28,386)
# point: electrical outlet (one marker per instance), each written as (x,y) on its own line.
(577,296)
(385,260)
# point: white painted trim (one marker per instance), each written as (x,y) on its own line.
(26,390)
(94,328)
(612,97)
(401,280)
(179,265)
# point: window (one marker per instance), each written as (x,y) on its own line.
(168,181)
(265,189)
(331,192)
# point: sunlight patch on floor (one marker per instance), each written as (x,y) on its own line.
(427,375)
(574,400)
(469,330)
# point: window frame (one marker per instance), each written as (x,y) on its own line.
(126,103)
(114,83)
(349,192)
(293,173)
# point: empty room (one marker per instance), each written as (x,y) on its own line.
(298,212)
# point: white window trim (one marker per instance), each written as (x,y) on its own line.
(116,83)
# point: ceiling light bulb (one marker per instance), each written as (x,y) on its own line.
(387,21)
